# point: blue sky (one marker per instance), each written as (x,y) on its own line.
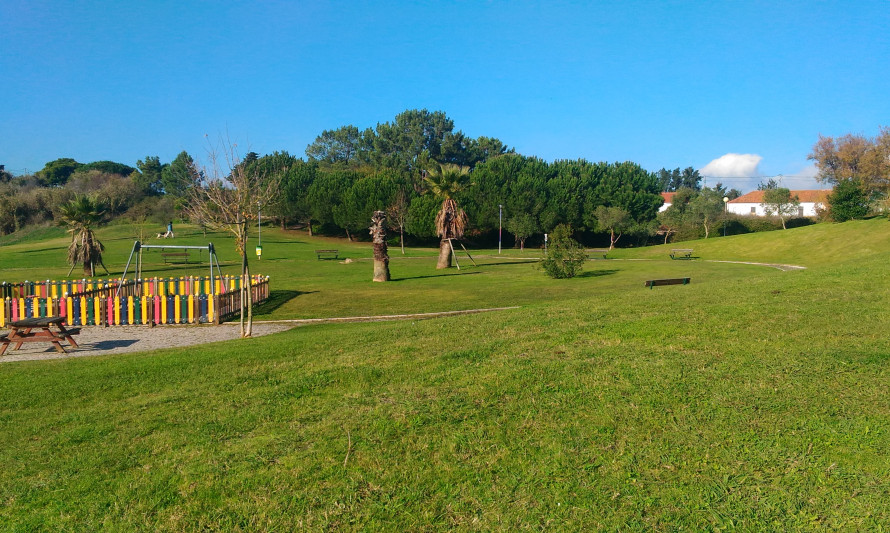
(664,84)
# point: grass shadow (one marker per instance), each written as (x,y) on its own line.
(596,273)
(436,276)
(276,300)
(297,241)
(518,262)
(38,250)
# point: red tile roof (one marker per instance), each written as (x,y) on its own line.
(756,197)
(668,197)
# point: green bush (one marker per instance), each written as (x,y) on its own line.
(564,257)
(847,202)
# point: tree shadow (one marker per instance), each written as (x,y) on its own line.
(436,276)
(111,344)
(284,242)
(596,273)
(520,262)
(50,249)
(277,299)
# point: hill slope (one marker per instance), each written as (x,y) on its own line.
(751,399)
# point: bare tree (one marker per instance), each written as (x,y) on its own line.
(227,199)
(398,213)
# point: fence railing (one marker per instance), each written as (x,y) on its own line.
(196,285)
(228,304)
(177,302)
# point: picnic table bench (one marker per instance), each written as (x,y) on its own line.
(170,257)
(51,330)
(330,254)
(671,281)
(681,253)
(599,251)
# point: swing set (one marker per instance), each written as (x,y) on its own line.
(136,253)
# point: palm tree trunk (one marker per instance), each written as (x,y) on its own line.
(86,252)
(381,255)
(444,254)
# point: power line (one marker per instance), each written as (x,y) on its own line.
(780,176)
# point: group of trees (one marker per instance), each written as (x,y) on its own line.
(349,173)
(858,167)
(150,191)
(535,196)
(695,210)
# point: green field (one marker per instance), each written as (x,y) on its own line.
(752,399)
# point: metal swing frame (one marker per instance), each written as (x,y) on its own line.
(137,271)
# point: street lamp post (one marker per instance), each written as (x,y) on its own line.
(725,212)
(259,227)
(500,225)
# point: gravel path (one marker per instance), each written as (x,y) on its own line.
(97,340)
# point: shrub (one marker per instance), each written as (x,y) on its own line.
(564,257)
(847,201)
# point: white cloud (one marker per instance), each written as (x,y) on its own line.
(809,172)
(733,166)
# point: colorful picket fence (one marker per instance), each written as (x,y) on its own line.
(197,285)
(176,301)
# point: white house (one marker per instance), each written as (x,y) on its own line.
(752,203)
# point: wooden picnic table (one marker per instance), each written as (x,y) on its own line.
(49,329)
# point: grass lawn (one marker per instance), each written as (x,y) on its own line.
(752,399)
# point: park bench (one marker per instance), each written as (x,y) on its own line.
(170,257)
(328,254)
(672,281)
(599,251)
(681,253)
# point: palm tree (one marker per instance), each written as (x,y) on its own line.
(445,181)
(80,215)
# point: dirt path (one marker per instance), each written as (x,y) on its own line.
(780,266)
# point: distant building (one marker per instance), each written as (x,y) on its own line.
(668,200)
(752,203)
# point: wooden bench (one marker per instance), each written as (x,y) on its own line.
(681,253)
(328,254)
(599,251)
(672,281)
(170,257)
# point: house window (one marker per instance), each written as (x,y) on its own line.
(800,211)
(753,210)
